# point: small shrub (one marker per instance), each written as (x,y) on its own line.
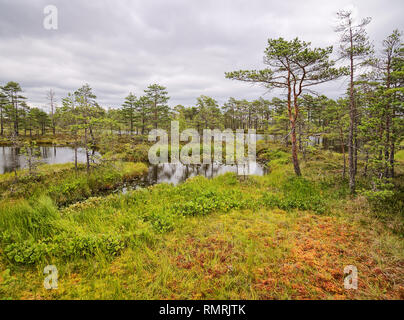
(297,193)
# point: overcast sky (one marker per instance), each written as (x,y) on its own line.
(185,45)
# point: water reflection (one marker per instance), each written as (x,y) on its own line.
(176,173)
(11,158)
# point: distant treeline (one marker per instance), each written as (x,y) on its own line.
(366,122)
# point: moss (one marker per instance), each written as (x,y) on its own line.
(272,237)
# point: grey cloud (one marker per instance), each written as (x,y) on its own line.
(122,46)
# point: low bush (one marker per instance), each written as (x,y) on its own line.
(65,247)
(297,193)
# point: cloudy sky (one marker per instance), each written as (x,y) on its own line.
(185,45)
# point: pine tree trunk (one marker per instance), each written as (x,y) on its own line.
(387,147)
(341,137)
(355,149)
(92,136)
(351,124)
(1,122)
(87,154)
(391,159)
(365,171)
(75,155)
(388,128)
(300,137)
(16,117)
(294,150)
(392,147)
(30,161)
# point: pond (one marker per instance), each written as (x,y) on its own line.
(12,158)
(177,173)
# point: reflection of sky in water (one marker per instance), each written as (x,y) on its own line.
(175,173)
(168,172)
(9,158)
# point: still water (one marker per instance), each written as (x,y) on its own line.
(11,158)
(176,173)
(170,173)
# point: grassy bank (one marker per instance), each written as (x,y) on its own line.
(59,139)
(270,237)
(64,185)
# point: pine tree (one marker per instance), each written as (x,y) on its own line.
(50,96)
(12,90)
(129,110)
(355,47)
(157,97)
(294,66)
(3,105)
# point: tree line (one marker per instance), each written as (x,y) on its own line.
(366,122)
(373,105)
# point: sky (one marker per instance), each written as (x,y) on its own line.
(123,46)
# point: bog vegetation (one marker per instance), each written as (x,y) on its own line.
(333,196)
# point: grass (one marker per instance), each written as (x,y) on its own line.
(64,185)
(399,155)
(270,237)
(264,254)
(45,170)
(59,139)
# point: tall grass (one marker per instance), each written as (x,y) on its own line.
(120,241)
(99,223)
(64,185)
(28,219)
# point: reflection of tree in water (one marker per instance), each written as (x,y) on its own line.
(160,172)
(209,170)
(44,152)
(12,161)
(153,173)
(11,157)
(178,172)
